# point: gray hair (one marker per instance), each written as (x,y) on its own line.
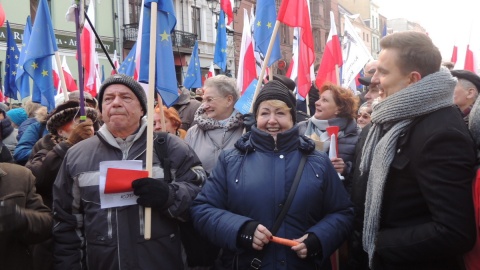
(225,86)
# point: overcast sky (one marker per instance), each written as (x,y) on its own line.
(447,22)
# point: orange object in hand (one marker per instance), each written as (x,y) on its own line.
(283,241)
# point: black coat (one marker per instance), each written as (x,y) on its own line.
(427,218)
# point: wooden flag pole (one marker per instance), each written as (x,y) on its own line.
(265,62)
(150,109)
(62,77)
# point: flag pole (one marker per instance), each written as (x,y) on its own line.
(150,109)
(63,83)
(78,10)
(265,62)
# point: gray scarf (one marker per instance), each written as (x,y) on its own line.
(390,117)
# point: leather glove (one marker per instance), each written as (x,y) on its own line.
(12,217)
(152,192)
(81,132)
(249,121)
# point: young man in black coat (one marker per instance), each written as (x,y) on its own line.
(419,157)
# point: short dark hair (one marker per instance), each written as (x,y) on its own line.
(416,52)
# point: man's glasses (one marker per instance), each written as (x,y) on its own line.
(210,99)
(363,115)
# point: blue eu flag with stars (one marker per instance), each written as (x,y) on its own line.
(220,54)
(22,80)
(11,62)
(265,19)
(193,79)
(128,65)
(165,78)
(38,57)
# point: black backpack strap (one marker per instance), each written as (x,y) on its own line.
(161,148)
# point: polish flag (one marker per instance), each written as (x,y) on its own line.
(71,84)
(211,71)
(332,58)
(295,13)
(247,70)
(470,60)
(138,52)
(226,6)
(454,54)
(87,40)
(115,62)
(56,74)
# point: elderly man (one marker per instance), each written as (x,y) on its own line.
(88,236)
(420,159)
(466,91)
(373,90)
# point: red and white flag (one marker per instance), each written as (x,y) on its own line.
(454,54)
(71,84)
(115,63)
(211,71)
(332,58)
(138,52)
(295,13)
(247,70)
(227,7)
(56,75)
(87,40)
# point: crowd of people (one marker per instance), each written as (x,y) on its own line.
(269,190)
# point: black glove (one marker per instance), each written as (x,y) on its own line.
(245,234)
(12,217)
(152,192)
(314,246)
(249,121)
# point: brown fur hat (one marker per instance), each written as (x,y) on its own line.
(65,113)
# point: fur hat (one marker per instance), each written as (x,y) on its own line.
(276,90)
(467,75)
(128,82)
(17,115)
(65,113)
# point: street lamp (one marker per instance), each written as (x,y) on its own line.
(213,4)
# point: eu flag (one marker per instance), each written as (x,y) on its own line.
(193,79)
(165,78)
(128,65)
(220,55)
(22,80)
(265,19)
(38,57)
(11,62)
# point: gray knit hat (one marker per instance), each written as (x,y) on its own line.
(128,82)
(276,90)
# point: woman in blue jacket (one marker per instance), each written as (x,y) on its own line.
(249,185)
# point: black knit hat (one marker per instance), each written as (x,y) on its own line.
(65,113)
(275,90)
(128,82)
(467,75)
(289,83)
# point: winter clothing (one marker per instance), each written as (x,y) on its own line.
(17,187)
(467,75)
(347,137)
(263,174)
(66,113)
(88,237)
(276,90)
(24,126)
(420,158)
(129,82)
(186,107)
(209,137)
(9,134)
(31,135)
(17,115)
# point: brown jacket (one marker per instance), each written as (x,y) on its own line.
(18,184)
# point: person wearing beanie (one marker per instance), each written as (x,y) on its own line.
(262,168)
(7,132)
(337,106)
(119,231)
(17,116)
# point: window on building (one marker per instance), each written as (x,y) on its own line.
(134,8)
(285,38)
(317,40)
(196,29)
